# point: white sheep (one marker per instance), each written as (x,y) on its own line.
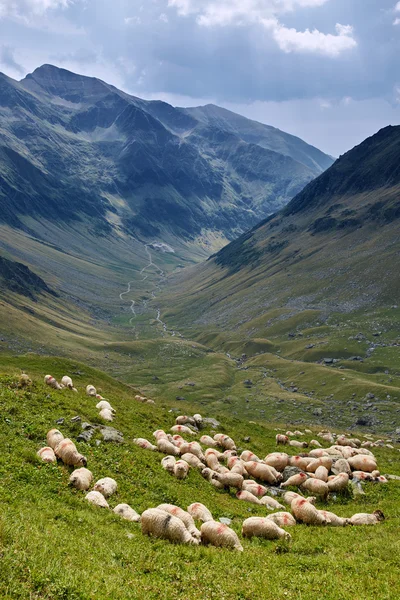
(181,469)
(220,535)
(295,480)
(247,456)
(367,519)
(184,516)
(52,382)
(271,503)
(297,444)
(106,486)
(127,513)
(47,454)
(54,437)
(322,461)
(254,488)
(209,475)
(81,478)
(263,472)
(282,519)
(177,440)
(192,460)
(97,499)
(182,429)
(165,446)
(208,441)
(200,512)
(247,497)
(281,439)
(306,513)
(67,452)
(160,433)
(278,460)
(184,420)
(104,404)
(225,441)
(198,420)
(317,487)
(230,479)
(333,520)
(67,382)
(145,444)
(322,473)
(161,524)
(106,414)
(299,461)
(193,448)
(338,482)
(288,497)
(363,463)
(168,463)
(90,390)
(263,527)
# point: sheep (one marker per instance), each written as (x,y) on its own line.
(254,488)
(184,516)
(220,535)
(333,520)
(236,465)
(106,486)
(247,497)
(271,503)
(341,466)
(184,420)
(230,479)
(52,382)
(263,527)
(338,482)
(315,443)
(145,444)
(225,441)
(192,460)
(327,437)
(282,519)
(297,444)
(67,452)
(342,440)
(161,524)
(229,454)
(167,447)
(322,461)
(208,441)
(198,420)
(262,472)
(193,448)
(362,463)
(181,469)
(24,381)
(54,437)
(306,513)
(295,480)
(182,429)
(288,497)
(160,433)
(106,415)
(104,404)
(168,463)
(316,486)
(215,452)
(90,390)
(81,479)
(97,499)
(299,461)
(212,461)
(247,456)
(127,513)
(177,440)
(208,474)
(278,460)
(362,476)
(367,519)
(200,512)
(281,439)
(47,454)
(322,473)
(67,382)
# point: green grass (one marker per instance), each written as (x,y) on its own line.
(55,546)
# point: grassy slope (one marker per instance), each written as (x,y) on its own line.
(55,546)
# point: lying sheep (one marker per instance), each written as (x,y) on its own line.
(160,433)
(322,473)
(236,465)
(97,499)
(333,520)
(184,420)
(220,535)
(177,440)
(81,479)
(106,414)
(127,513)
(212,461)
(192,460)
(322,461)
(193,448)
(306,513)
(181,469)
(317,487)
(145,444)
(288,497)
(282,519)
(54,437)
(47,454)
(247,497)
(106,486)
(225,441)
(164,445)
(254,488)
(300,462)
(168,463)
(208,474)
(315,443)
(247,456)
(90,390)
(262,472)
(184,516)
(208,441)
(265,528)
(67,452)
(200,512)
(104,404)
(295,480)
(67,382)
(338,482)
(230,479)
(52,382)
(160,524)
(367,519)
(362,463)
(278,460)
(271,503)
(297,444)
(182,429)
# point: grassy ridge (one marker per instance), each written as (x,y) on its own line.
(55,546)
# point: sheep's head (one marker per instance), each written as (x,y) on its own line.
(82,461)
(379,515)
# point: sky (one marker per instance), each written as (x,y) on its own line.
(325,70)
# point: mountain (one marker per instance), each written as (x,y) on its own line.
(334,249)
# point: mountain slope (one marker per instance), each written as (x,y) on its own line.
(333,248)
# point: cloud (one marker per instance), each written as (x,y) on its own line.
(132,20)
(397,7)
(7,59)
(23,9)
(291,40)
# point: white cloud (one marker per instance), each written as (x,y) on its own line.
(291,40)
(397,7)
(396,21)
(24,9)
(163,17)
(132,20)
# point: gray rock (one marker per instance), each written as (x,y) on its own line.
(112,435)
(85,436)
(289,471)
(76,419)
(60,421)
(180,398)
(211,422)
(225,520)
(317,412)
(328,361)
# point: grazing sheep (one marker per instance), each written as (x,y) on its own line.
(67,382)
(168,463)
(200,512)
(254,488)
(282,519)
(247,497)
(52,382)
(192,460)
(271,503)
(106,415)
(317,487)
(181,469)
(104,404)
(184,516)
(182,429)
(127,513)
(208,474)
(54,437)
(230,479)
(263,527)
(184,420)
(193,448)
(161,524)
(338,482)
(366,519)
(167,447)
(90,390)
(81,479)
(145,444)
(306,513)
(278,460)
(247,456)
(225,441)
(97,499)
(220,535)
(288,497)
(208,441)
(262,472)
(281,439)
(47,454)
(212,461)
(67,452)
(362,463)
(322,473)
(106,486)
(295,480)
(333,520)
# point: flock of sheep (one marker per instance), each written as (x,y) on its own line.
(320,472)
